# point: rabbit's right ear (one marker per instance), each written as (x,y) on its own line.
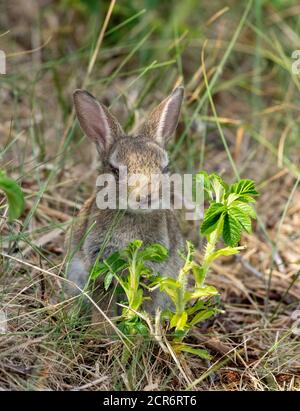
(163,120)
(96,121)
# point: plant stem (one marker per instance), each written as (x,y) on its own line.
(212,240)
(180,304)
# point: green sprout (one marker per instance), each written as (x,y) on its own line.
(229,214)
(131,260)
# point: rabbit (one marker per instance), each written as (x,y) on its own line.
(143,153)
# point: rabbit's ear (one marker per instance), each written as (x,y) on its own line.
(163,120)
(96,121)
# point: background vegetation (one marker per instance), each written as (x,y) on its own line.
(131,54)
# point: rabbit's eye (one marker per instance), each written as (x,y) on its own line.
(165,170)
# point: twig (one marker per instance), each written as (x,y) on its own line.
(90,384)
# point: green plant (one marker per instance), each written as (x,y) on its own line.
(14,196)
(132,260)
(190,303)
(228,215)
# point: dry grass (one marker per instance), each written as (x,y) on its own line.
(256,98)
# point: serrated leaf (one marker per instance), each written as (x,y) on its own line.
(169,286)
(142,329)
(199,305)
(174,320)
(179,335)
(246,199)
(196,351)
(223,252)
(168,281)
(113,264)
(179,321)
(14,195)
(145,271)
(154,252)
(199,274)
(211,218)
(190,251)
(201,316)
(242,218)
(206,291)
(244,187)
(218,186)
(231,230)
(170,291)
(232,197)
(203,178)
(246,208)
(97,271)
(107,280)
(138,299)
(131,249)
(135,244)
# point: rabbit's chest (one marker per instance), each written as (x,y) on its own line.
(109,240)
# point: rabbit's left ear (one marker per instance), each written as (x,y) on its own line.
(96,121)
(163,120)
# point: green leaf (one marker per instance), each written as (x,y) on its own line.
(142,329)
(206,291)
(244,187)
(218,186)
(224,251)
(190,251)
(154,252)
(201,316)
(97,271)
(203,177)
(199,274)
(231,230)
(14,195)
(182,321)
(131,249)
(174,320)
(169,291)
(246,199)
(169,282)
(211,218)
(232,197)
(199,305)
(113,264)
(135,244)
(138,299)
(179,321)
(179,335)
(196,351)
(107,280)
(145,271)
(246,208)
(241,217)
